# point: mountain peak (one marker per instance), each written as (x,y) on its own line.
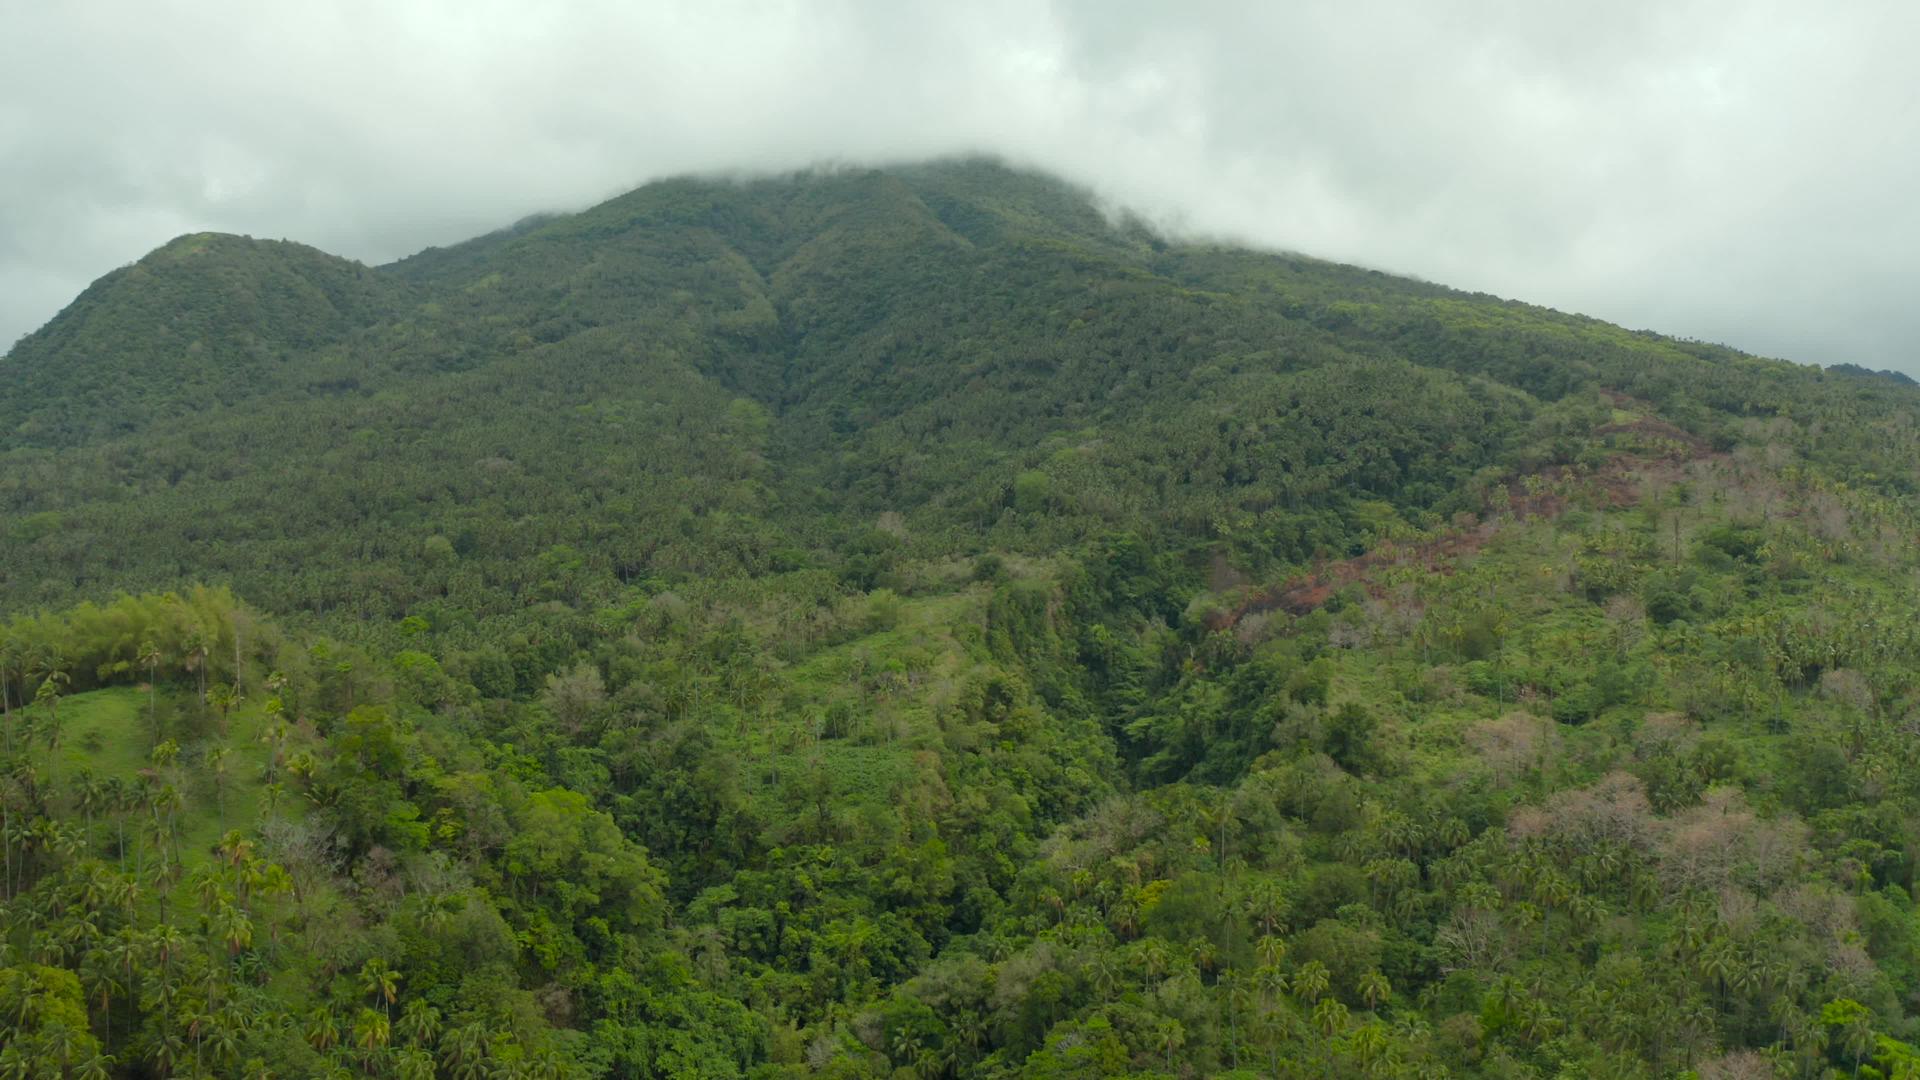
(201,320)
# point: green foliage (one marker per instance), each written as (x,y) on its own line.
(907,624)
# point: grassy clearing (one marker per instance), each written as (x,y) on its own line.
(109,735)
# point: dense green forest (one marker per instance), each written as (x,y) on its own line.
(911,623)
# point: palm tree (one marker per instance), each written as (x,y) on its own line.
(419,1023)
(1329,1016)
(165,754)
(195,660)
(1265,903)
(150,656)
(166,800)
(1374,989)
(1104,970)
(166,1050)
(80,930)
(1204,954)
(233,927)
(414,1064)
(224,1031)
(1311,980)
(1171,1036)
(124,950)
(100,976)
(225,699)
(58,1042)
(114,798)
(381,983)
(235,849)
(322,1030)
(1153,957)
(217,763)
(1239,996)
(53,678)
(274,733)
(438,910)
(371,1033)
(1369,1046)
(90,792)
(464,1051)
(270,796)
(1271,981)
(165,943)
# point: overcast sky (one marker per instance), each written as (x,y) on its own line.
(1740,172)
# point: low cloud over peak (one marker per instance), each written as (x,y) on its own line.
(1733,171)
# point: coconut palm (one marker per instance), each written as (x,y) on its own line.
(150,656)
(372,1031)
(53,679)
(1374,989)
(321,1030)
(1311,980)
(225,698)
(381,983)
(419,1023)
(217,764)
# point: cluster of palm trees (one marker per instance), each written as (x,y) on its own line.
(43,667)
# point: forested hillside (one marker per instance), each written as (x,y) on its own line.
(910,623)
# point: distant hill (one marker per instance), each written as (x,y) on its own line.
(206,320)
(1868,373)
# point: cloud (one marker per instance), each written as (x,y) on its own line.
(1733,171)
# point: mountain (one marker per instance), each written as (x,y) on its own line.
(911,621)
(707,376)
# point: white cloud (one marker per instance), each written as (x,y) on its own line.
(1735,171)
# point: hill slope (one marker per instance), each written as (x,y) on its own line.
(907,623)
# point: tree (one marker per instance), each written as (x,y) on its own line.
(12,661)
(371,1032)
(150,656)
(1852,1024)
(1311,980)
(1170,1036)
(53,679)
(419,1023)
(575,698)
(194,658)
(321,1029)
(1374,989)
(1330,1016)
(217,767)
(224,698)
(381,983)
